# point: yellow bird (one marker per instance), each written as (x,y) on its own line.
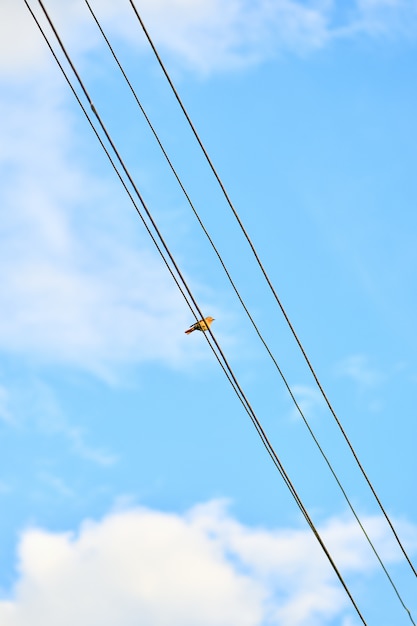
(201,325)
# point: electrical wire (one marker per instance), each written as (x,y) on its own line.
(177,177)
(271,287)
(238,390)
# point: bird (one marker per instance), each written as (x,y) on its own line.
(201,325)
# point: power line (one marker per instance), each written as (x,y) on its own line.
(177,177)
(238,390)
(114,166)
(271,287)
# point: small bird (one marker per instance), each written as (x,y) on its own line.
(201,325)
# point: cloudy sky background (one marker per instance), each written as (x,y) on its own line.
(133,486)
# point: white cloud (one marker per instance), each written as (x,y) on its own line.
(77,286)
(223,35)
(358,368)
(71,292)
(33,408)
(386,17)
(138,566)
(51,421)
(204,35)
(19,48)
(309,399)
(200,568)
(22,47)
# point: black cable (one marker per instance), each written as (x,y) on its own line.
(177,177)
(236,386)
(123,182)
(268,280)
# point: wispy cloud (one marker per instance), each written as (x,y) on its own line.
(218,36)
(35,411)
(222,36)
(202,568)
(5,410)
(71,293)
(358,368)
(207,36)
(309,399)
(74,292)
(385,18)
(91,453)
(51,420)
(57,484)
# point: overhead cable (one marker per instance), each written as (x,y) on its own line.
(271,287)
(293,398)
(238,390)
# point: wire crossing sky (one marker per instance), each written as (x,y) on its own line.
(248,313)
(272,288)
(223,362)
(238,390)
(79,265)
(273,455)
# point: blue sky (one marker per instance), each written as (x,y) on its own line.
(134,488)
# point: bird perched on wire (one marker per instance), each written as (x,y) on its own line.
(201,325)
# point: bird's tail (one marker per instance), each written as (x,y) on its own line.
(190,330)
